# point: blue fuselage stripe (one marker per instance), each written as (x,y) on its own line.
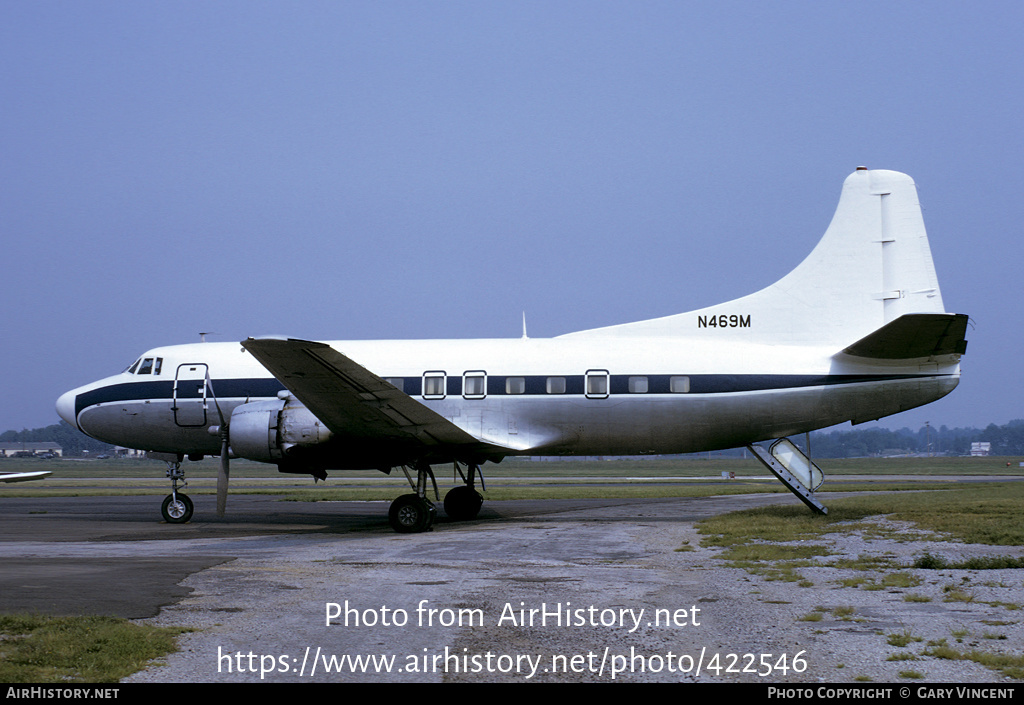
(535,385)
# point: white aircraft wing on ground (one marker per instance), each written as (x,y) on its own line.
(23,476)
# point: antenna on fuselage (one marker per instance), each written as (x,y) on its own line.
(525,337)
(202,336)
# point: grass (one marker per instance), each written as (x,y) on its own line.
(929,562)
(41,649)
(1009,665)
(913,597)
(694,466)
(774,562)
(901,639)
(773,541)
(513,479)
(772,552)
(867,563)
(844,613)
(984,513)
(900,580)
(856,582)
(954,593)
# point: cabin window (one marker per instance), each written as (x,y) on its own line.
(679,385)
(556,385)
(397,382)
(637,385)
(433,385)
(474,385)
(147,366)
(515,385)
(597,384)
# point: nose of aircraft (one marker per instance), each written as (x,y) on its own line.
(66,407)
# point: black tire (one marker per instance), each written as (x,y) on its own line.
(411,514)
(462,503)
(177,512)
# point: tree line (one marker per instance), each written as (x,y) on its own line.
(72,441)
(1007,439)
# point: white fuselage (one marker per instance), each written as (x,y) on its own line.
(557,396)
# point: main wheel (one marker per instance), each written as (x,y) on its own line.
(462,503)
(177,508)
(411,514)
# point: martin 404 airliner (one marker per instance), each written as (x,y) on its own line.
(856,332)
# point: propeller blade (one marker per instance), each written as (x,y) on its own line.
(223,474)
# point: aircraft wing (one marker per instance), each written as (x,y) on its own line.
(352,401)
(23,476)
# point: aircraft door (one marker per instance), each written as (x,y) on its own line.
(190,395)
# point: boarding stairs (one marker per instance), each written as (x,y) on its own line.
(794,469)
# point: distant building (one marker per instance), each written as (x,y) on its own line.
(20,449)
(980,449)
(122,452)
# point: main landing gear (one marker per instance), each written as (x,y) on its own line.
(414,513)
(177,507)
(411,514)
(463,503)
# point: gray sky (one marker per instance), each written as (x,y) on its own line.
(340,170)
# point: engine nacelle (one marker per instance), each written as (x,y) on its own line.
(267,430)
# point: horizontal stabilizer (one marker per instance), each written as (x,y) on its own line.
(915,335)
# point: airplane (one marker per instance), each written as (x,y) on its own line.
(855,332)
(24,476)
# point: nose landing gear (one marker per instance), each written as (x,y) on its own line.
(177,507)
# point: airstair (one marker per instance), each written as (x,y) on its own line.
(794,469)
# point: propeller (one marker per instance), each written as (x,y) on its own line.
(224,472)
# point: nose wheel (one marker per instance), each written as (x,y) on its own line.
(177,508)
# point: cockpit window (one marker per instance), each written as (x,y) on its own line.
(146,366)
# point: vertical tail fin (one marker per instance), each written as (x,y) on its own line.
(872,266)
